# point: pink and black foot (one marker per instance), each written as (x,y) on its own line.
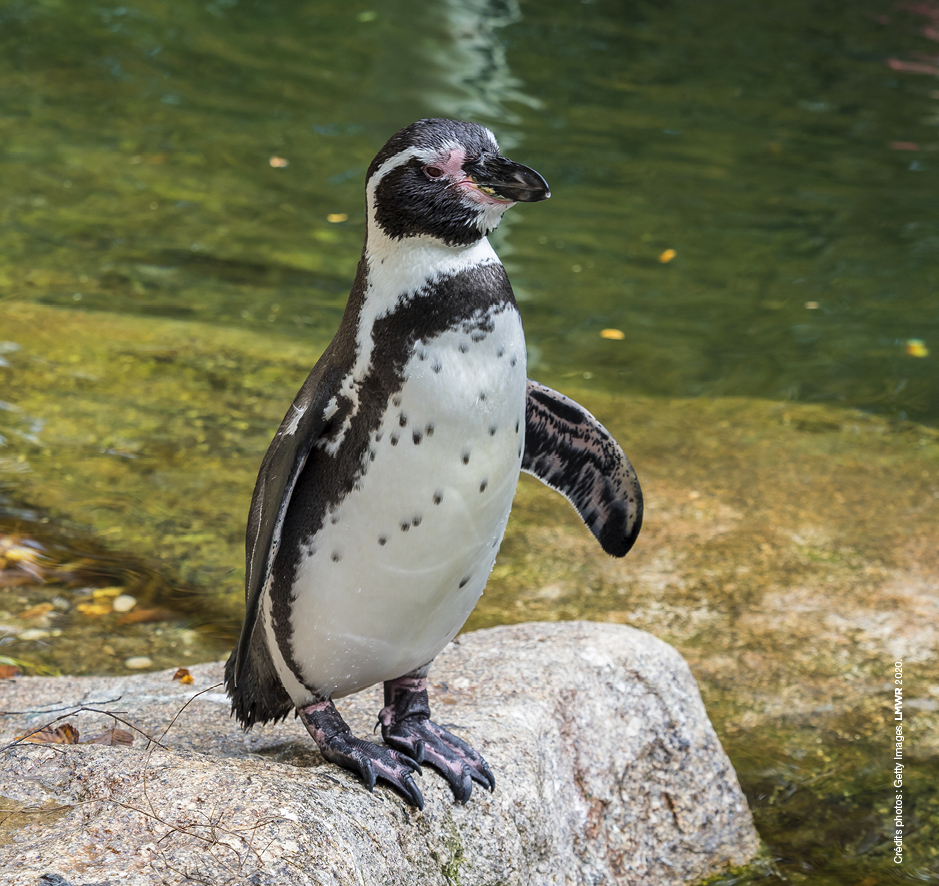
(407,727)
(373,762)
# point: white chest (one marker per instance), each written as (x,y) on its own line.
(401,561)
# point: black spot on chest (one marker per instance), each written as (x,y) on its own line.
(468,302)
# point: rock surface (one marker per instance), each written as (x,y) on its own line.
(607,771)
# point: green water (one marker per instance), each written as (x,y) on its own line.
(753,139)
(164,290)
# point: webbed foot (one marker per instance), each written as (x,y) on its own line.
(371,761)
(407,727)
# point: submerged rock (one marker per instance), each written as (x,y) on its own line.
(607,771)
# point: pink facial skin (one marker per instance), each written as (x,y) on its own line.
(453,169)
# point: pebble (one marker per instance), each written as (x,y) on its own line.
(33,634)
(124,603)
(138,662)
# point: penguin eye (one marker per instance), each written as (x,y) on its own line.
(433,171)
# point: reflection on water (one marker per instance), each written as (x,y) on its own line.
(743,208)
(474,64)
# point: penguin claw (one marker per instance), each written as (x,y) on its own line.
(452,757)
(372,762)
(375,763)
(407,727)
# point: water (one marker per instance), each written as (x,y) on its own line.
(181,214)
(762,144)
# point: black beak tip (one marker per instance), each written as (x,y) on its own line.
(532,186)
(511,180)
(536,195)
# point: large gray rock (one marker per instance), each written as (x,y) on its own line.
(607,771)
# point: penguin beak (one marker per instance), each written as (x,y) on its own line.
(504,179)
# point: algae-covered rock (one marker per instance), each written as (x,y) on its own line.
(607,771)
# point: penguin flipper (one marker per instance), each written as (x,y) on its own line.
(570,451)
(285,459)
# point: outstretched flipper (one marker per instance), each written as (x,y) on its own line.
(407,727)
(570,451)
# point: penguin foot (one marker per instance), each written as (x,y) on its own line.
(407,727)
(371,761)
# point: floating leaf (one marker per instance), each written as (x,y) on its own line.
(667,256)
(336,217)
(613,334)
(916,347)
(7,671)
(278,162)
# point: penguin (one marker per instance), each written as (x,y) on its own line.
(381,503)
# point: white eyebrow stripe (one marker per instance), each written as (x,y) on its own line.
(386,167)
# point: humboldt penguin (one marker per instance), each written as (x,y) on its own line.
(383,499)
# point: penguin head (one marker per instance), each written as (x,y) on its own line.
(445,179)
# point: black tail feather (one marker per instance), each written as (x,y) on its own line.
(259,696)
